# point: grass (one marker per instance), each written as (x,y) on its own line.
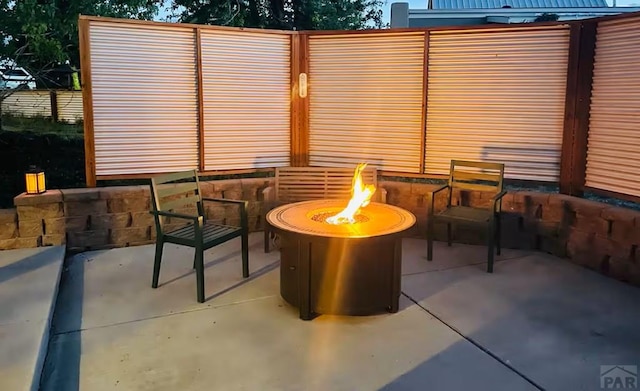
(42,126)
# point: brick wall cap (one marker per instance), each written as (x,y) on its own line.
(124,191)
(48,197)
(80,194)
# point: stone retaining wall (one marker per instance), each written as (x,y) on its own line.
(107,217)
(595,235)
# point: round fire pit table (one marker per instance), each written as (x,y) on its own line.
(346,269)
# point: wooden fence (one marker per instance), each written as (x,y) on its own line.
(63,106)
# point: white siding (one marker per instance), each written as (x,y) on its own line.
(69,106)
(28,104)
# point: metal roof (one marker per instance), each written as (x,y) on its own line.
(475,4)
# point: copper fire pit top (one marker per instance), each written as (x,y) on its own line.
(308,217)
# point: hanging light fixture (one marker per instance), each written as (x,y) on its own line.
(34,178)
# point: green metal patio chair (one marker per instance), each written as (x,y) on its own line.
(198,233)
(470,176)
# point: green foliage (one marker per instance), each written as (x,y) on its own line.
(42,126)
(546,17)
(59,153)
(284,14)
(40,33)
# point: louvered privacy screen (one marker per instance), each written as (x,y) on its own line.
(366,100)
(144,98)
(246,88)
(613,157)
(497,95)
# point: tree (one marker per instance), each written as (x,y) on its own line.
(283,14)
(14,77)
(48,29)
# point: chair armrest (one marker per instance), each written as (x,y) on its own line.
(269,193)
(438,189)
(159,213)
(497,198)
(227,201)
(431,195)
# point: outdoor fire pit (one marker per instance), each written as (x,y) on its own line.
(343,269)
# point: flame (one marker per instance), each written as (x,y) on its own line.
(360,197)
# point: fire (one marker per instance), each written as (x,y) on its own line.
(360,197)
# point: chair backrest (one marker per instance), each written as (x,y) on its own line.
(293,184)
(168,196)
(476,176)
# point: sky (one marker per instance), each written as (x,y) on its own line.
(418,4)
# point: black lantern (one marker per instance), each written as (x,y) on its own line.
(34,178)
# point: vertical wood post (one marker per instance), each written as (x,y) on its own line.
(53,99)
(87,102)
(299,105)
(573,160)
(200,87)
(425,93)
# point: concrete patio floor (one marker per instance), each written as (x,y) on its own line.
(537,322)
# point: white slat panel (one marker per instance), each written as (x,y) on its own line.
(28,104)
(613,154)
(144,98)
(497,95)
(247,98)
(69,106)
(366,100)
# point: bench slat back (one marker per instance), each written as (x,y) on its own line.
(168,196)
(295,184)
(476,176)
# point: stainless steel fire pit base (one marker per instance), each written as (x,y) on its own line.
(340,270)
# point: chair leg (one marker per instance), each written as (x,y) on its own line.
(490,249)
(156,263)
(498,234)
(449,236)
(267,237)
(430,239)
(199,262)
(245,254)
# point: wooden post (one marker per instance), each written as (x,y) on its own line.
(299,105)
(53,99)
(87,102)
(573,161)
(201,151)
(425,92)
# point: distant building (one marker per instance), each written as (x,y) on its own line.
(475,12)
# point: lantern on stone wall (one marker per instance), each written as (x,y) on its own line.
(34,178)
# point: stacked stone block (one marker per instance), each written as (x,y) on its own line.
(595,235)
(118,216)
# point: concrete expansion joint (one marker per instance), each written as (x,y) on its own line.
(476,344)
